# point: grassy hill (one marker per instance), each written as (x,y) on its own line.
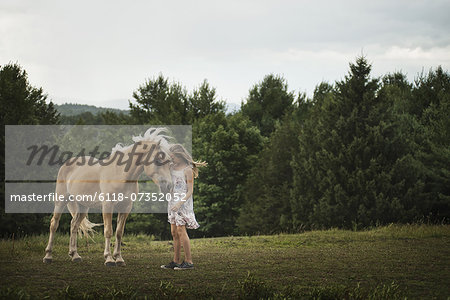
(384,263)
(72,109)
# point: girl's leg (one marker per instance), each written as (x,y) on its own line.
(176,244)
(184,238)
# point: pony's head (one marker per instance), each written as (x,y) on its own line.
(158,168)
(152,153)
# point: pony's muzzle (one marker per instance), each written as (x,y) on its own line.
(165,186)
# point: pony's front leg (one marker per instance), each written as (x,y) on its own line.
(53,226)
(107,221)
(121,219)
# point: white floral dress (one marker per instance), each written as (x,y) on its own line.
(185,214)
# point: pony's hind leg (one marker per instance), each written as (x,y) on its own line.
(77,218)
(59,207)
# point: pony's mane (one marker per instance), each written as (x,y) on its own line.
(152,135)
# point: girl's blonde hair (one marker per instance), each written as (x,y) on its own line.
(179,150)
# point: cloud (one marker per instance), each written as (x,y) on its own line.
(99,51)
(439,55)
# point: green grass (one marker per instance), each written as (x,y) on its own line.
(390,262)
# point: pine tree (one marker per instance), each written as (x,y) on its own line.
(431,109)
(268,102)
(203,102)
(267,208)
(355,165)
(160,102)
(230,145)
(22,104)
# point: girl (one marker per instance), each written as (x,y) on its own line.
(181,213)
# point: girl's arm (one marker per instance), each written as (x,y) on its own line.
(190,188)
(189,182)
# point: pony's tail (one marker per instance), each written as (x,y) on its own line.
(86,228)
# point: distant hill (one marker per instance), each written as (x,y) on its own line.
(72,109)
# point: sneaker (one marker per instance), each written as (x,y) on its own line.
(170,265)
(184,266)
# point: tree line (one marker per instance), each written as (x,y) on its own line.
(363,151)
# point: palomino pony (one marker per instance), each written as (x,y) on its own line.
(117,174)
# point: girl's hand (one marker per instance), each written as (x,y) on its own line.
(177,206)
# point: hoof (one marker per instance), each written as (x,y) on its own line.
(76,259)
(120,263)
(110,263)
(47,260)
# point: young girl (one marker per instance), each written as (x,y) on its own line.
(181,213)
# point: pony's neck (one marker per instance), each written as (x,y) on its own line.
(131,163)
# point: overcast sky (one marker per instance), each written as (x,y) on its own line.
(99,52)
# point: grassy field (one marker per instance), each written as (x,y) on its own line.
(390,262)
